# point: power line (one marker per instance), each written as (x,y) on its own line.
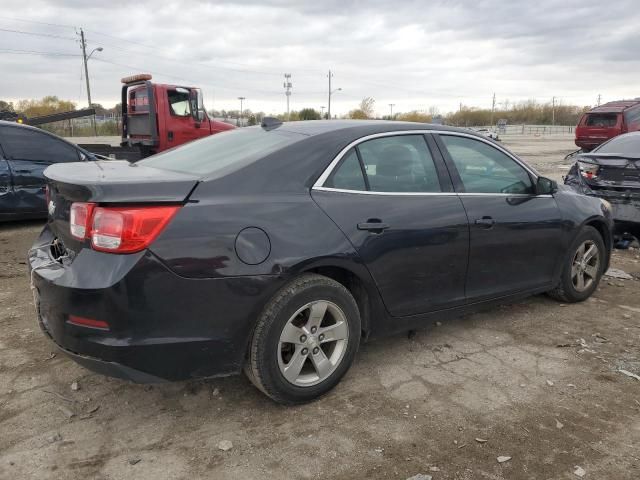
(34,52)
(38,23)
(37,34)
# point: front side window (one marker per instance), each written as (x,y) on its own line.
(179,102)
(632,117)
(21,143)
(485,169)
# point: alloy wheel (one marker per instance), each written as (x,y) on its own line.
(585,266)
(313,343)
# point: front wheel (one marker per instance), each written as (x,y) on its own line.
(305,340)
(583,268)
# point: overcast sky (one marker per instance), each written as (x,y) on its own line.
(415,54)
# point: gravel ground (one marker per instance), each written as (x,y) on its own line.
(536,381)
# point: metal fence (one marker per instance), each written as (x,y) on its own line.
(532,129)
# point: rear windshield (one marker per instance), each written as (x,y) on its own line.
(222,153)
(628,145)
(602,119)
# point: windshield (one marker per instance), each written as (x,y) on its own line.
(222,153)
(628,145)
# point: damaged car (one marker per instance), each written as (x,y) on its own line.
(277,249)
(612,172)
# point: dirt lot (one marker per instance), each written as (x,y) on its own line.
(537,380)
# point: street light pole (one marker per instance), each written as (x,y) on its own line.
(85,59)
(329,103)
(241,100)
(391,105)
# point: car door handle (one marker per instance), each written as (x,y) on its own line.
(485,222)
(373,225)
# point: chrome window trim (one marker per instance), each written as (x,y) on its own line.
(429,194)
(319,184)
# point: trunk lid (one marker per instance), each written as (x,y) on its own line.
(614,171)
(108,182)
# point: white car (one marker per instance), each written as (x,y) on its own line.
(487,133)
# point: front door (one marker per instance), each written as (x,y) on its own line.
(516,235)
(181,126)
(7,197)
(29,152)
(394,201)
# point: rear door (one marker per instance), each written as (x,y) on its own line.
(516,236)
(394,200)
(28,152)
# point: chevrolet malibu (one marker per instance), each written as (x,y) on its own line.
(277,249)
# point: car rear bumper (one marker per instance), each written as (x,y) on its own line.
(161,326)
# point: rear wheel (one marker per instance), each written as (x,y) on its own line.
(305,340)
(583,269)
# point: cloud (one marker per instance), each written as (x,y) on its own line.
(415,54)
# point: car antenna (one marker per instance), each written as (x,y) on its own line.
(269,123)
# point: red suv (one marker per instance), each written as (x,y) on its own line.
(607,121)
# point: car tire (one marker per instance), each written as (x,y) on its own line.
(570,289)
(311,321)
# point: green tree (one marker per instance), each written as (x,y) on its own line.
(414,116)
(45,106)
(308,114)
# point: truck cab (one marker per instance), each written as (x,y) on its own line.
(156,117)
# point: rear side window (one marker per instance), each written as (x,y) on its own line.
(485,169)
(224,152)
(603,120)
(628,145)
(139,100)
(26,144)
(395,164)
(348,175)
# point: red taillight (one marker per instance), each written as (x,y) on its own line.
(128,229)
(119,229)
(87,322)
(80,221)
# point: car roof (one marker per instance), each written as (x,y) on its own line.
(4,123)
(615,107)
(318,127)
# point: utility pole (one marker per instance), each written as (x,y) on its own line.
(241,100)
(329,103)
(287,87)
(599,96)
(83,44)
(331,92)
(553,110)
(493,107)
(391,105)
(322,111)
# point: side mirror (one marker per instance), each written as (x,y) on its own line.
(197,104)
(546,186)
